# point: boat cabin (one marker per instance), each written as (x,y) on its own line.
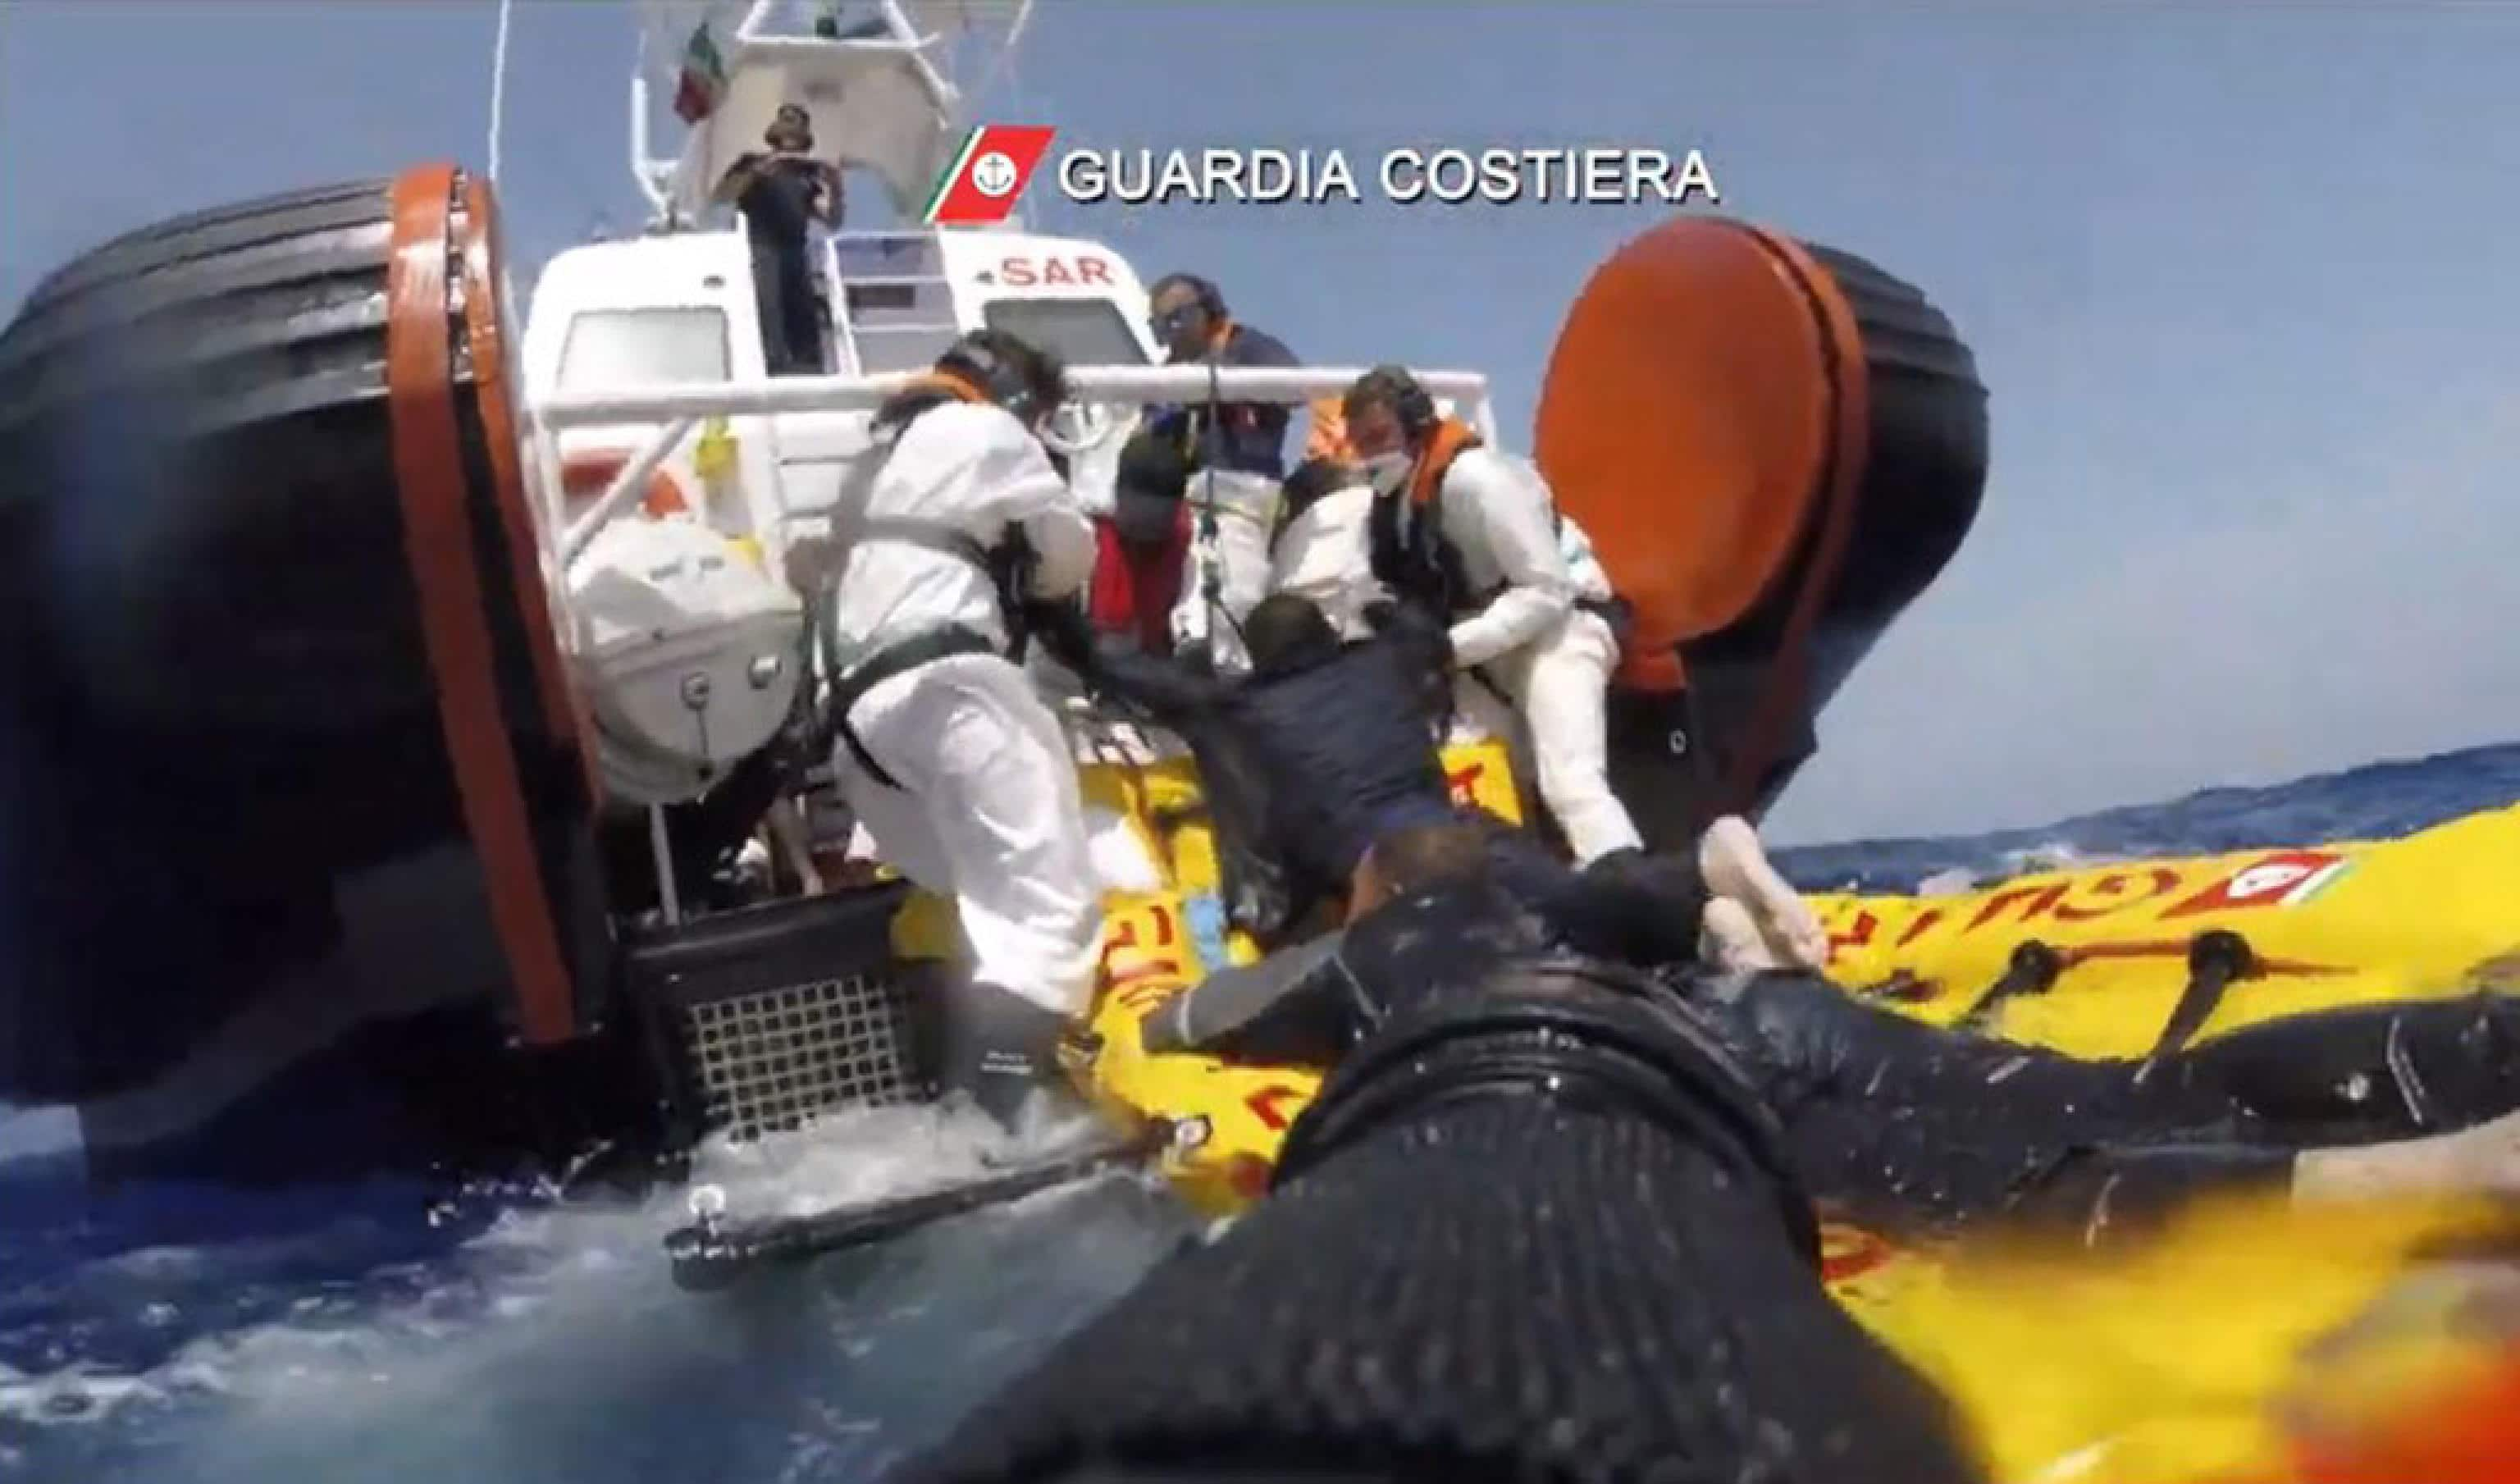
(678,309)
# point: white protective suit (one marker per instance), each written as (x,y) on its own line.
(1552,660)
(1246,505)
(987,808)
(1324,554)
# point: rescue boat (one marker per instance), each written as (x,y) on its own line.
(388,661)
(373,643)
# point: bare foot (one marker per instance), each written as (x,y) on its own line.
(1731,940)
(1734,865)
(2484,1160)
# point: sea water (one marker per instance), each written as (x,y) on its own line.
(181,1336)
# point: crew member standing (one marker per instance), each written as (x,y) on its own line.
(782,193)
(1473,536)
(944,750)
(1233,452)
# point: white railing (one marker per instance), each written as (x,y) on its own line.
(681,408)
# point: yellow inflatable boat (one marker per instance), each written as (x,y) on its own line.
(2346,923)
(2192,1351)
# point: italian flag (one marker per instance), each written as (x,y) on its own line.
(703,77)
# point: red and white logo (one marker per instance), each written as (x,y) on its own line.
(988,176)
(2286,879)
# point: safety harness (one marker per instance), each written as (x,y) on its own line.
(1006,564)
(1410,555)
(1404,529)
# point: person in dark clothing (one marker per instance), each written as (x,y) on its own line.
(1535,1226)
(1325,747)
(1304,761)
(1191,320)
(1652,911)
(1905,1125)
(782,193)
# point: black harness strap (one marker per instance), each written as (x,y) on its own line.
(934,535)
(1007,565)
(1619,613)
(885,664)
(1409,550)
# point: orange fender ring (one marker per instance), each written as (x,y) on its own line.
(429,478)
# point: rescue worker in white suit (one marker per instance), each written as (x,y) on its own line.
(943,749)
(1475,536)
(1318,550)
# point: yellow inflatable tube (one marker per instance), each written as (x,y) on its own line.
(2335,925)
(2192,1355)
(1227,1121)
(2355,922)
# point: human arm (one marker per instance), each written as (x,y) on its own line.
(1061,538)
(1541,1138)
(830,194)
(1259,423)
(739,177)
(1170,691)
(1420,651)
(1419,636)
(1025,492)
(1648,915)
(1240,997)
(1507,511)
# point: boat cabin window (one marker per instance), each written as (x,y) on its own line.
(900,326)
(645,348)
(1079,331)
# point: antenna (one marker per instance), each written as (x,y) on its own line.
(887,86)
(499,85)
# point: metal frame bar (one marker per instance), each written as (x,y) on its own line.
(771,396)
(627,488)
(679,408)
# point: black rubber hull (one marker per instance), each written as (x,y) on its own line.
(1893,490)
(248,720)
(1923,477)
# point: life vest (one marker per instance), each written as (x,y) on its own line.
(1135,587)
(1412,555)
(932,389)
(1404,533)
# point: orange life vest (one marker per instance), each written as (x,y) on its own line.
(1404,533)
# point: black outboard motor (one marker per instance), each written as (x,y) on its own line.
(1775,447)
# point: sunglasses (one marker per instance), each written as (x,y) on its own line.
(1173,319)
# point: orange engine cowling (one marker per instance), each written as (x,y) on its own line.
(1775,447)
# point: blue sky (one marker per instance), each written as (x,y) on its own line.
(2240,279)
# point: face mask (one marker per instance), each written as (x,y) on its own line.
(1386,473)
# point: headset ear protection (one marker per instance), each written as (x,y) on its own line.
(1411,406)
(1210,298)
(1006,379)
